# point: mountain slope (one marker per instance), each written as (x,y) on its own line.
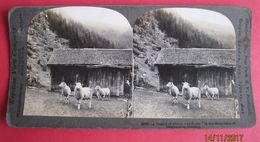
(147,41)
(41,42)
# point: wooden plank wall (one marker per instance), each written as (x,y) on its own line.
(177,75)
(112,78)
(217,77)
(213,76)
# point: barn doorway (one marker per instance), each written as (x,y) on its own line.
(177,75)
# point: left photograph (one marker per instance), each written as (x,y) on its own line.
(79,63)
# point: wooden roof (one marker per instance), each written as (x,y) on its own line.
(92,57)
(197,56)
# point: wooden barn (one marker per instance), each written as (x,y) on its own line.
(105,67)
(197,66)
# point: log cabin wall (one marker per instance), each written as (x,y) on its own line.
(177,75)
(113,78)
(213,76)
(217,77)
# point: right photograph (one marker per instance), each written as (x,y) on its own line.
(184,65)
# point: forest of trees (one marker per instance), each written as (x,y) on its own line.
(188,36)
(78,35)
(172,24)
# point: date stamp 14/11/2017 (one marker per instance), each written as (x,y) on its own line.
(224,137)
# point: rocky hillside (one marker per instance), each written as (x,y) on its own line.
(148,41)
(41,42)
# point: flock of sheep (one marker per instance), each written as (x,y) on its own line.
(188,93)
(83,93)
(192,93)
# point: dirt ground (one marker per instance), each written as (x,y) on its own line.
(152,104)
(40,102)
(146,104)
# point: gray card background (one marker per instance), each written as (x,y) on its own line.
(19,19)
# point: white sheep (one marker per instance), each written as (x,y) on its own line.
(190,93)
(102,91)
(83,93)
(211,92)
(173,90)
(65,91)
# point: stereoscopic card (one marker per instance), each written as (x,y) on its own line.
(130,67)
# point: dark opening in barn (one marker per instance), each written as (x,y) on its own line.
(197,66)
(105,67)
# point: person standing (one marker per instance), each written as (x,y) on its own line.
(127,89)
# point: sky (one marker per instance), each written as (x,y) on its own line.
(201,15)
(205,19)
(103,18)
(211,22)
(96,17)
(113,25)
